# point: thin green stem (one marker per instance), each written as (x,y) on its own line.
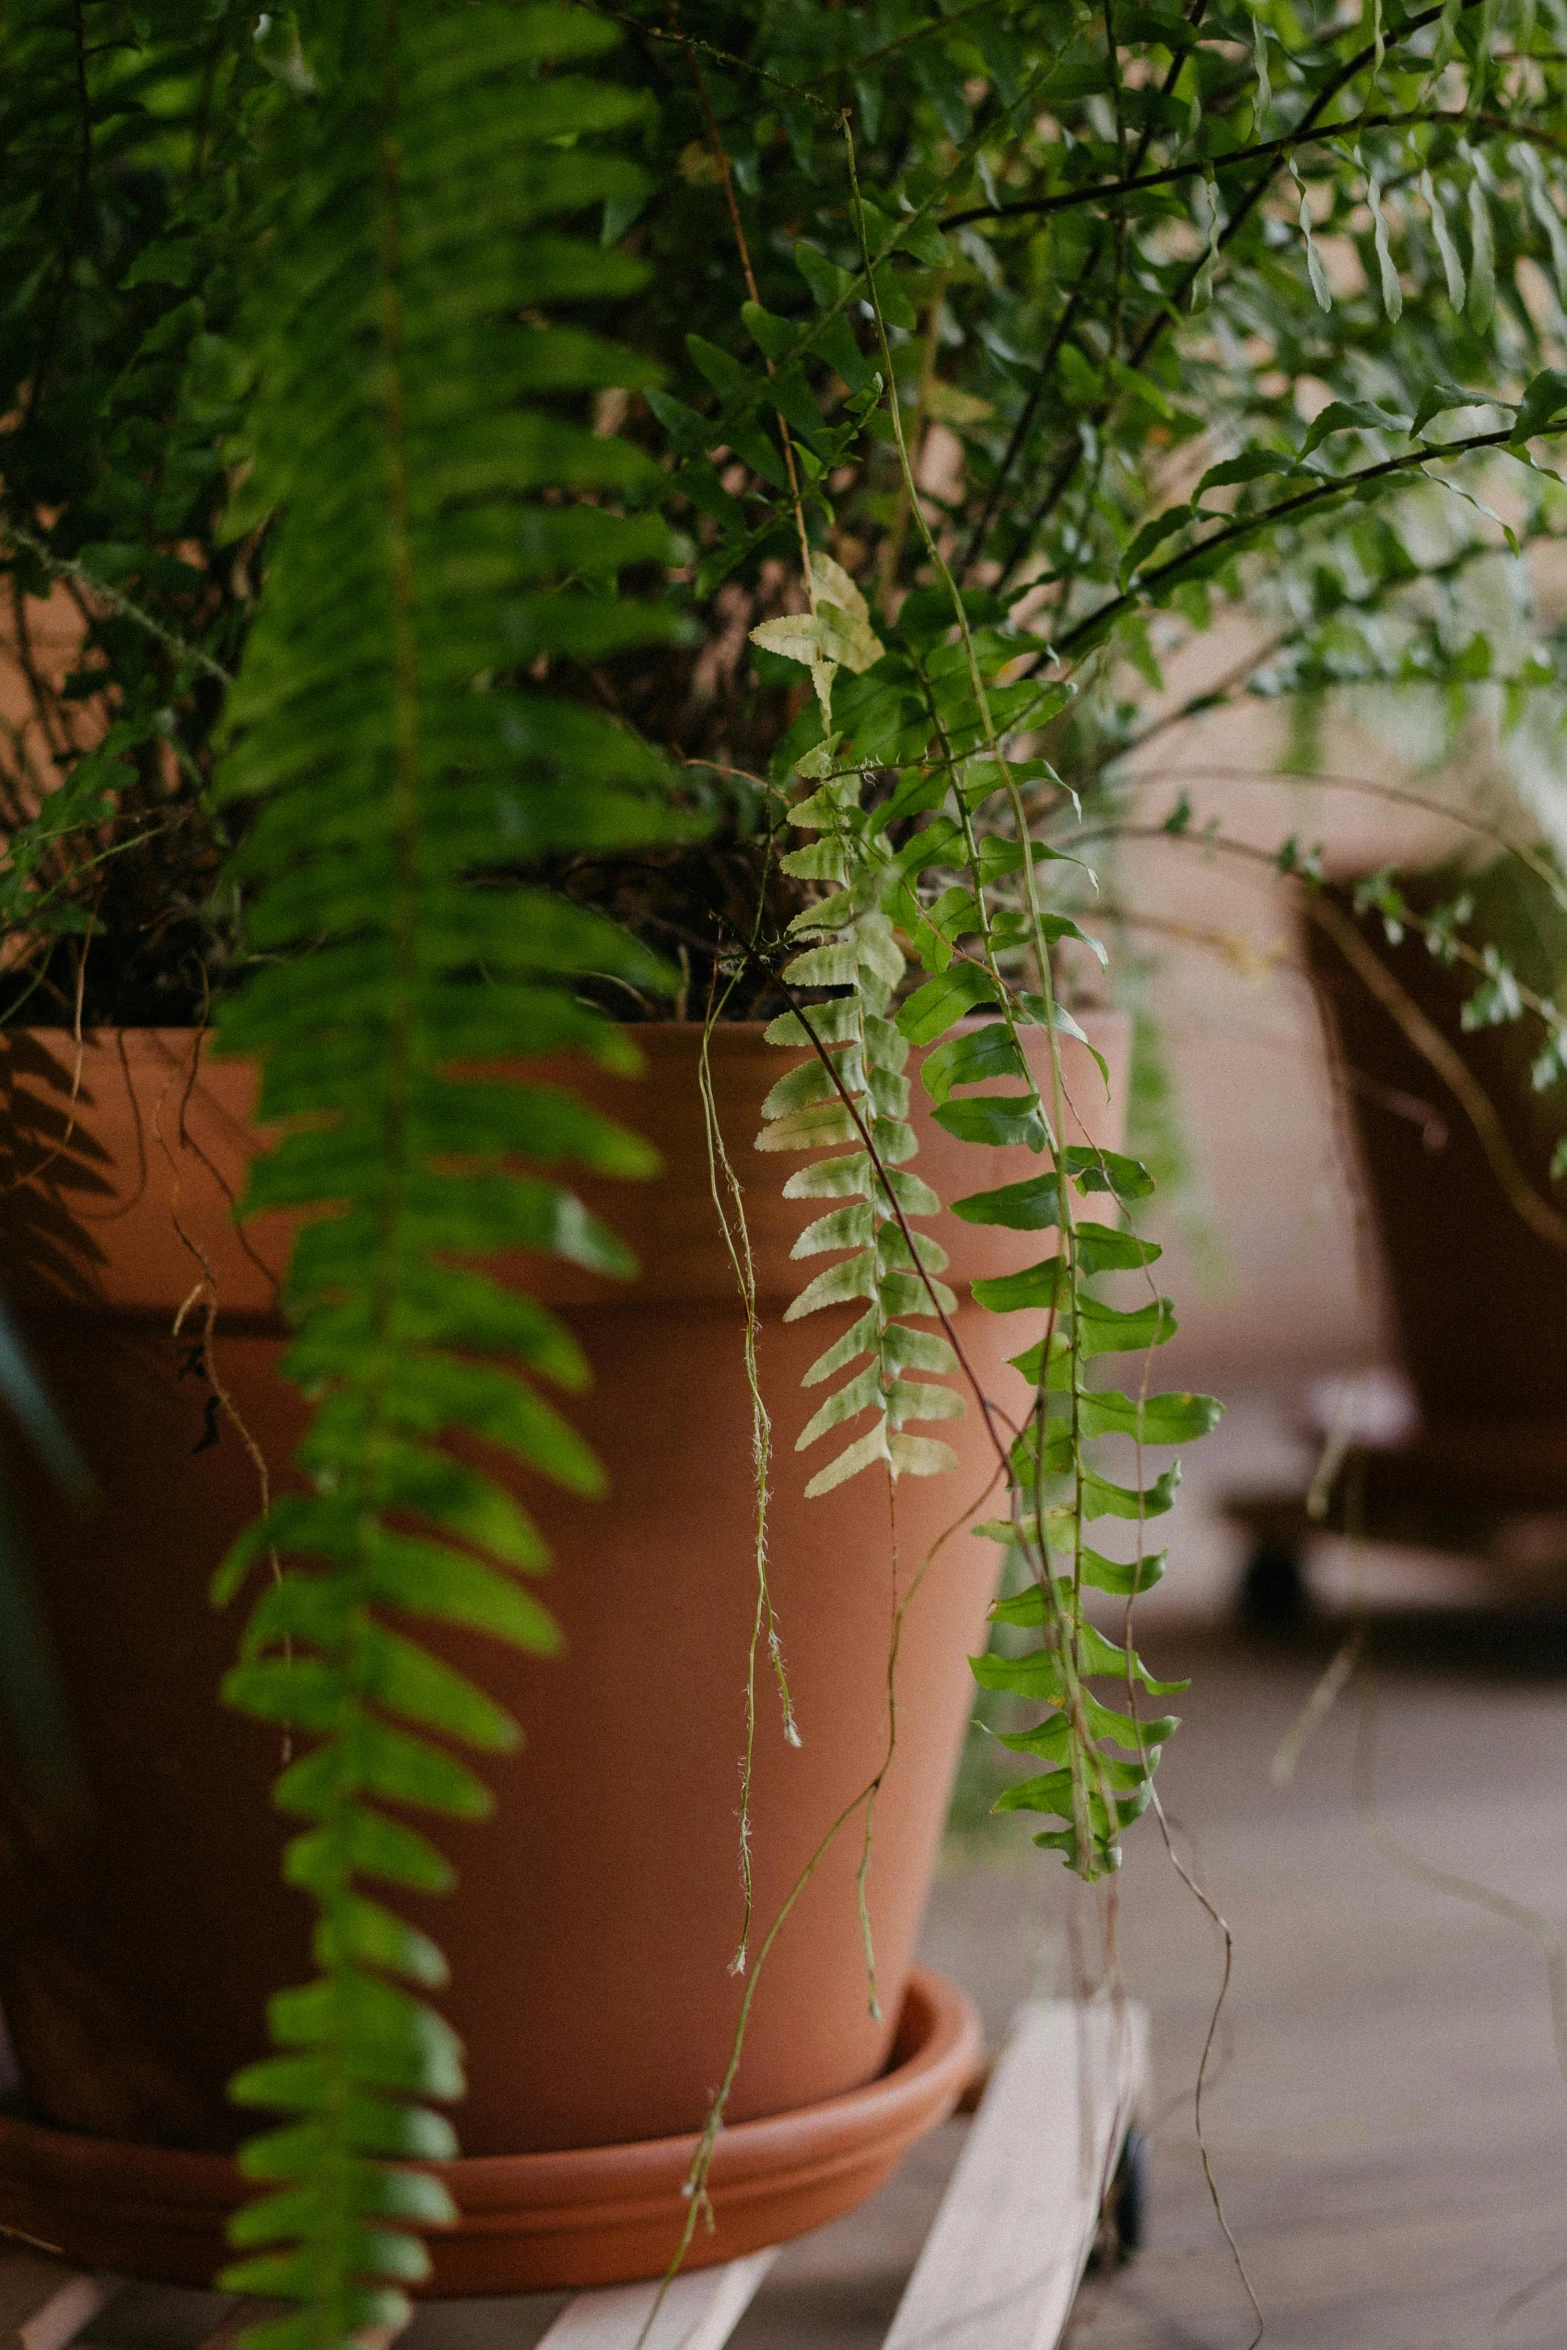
(66,567)
(1081,1743)
(1216,166)
(1162,575)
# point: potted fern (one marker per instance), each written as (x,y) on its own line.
(638,566)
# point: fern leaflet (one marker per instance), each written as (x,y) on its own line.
(853,1092)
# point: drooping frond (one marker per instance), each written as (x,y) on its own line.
(851,1096)
(446,535)
(943,858)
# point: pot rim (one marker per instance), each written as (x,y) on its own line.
(934,2054)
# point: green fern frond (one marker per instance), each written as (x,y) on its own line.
(965,870)
(1055,1490)
(446,534)
(861,1101)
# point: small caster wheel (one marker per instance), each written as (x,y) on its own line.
(1123,2223)
(1273,1595)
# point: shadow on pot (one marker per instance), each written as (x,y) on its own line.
(48,1772)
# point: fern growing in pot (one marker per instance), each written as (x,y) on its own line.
(396,805)
(436,787)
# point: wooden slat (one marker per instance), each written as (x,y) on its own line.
(998,2271)
(1004,2258)
(43,2303)
(700,2311)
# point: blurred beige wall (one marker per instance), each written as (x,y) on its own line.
(1273,1282)
(1274,1276)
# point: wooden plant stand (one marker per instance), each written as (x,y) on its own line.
(1021,2216)
(1495,1494)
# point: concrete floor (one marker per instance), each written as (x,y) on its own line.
(1386,2116)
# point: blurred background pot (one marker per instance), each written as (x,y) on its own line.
(1478,1289)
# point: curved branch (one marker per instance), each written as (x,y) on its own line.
(66,568)
(1246,525)
(1210,167)
(1434,1048)
(1396,794)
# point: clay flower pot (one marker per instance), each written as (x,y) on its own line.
(142,1919)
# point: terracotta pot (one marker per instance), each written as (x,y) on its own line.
(141,1928)
(1480,1300)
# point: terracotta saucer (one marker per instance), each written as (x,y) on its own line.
(596,2215)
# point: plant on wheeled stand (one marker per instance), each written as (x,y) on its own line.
(953,468)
